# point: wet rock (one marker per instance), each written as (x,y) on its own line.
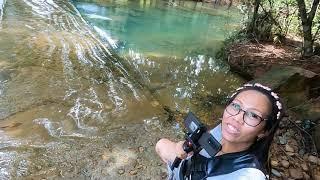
(133,172)
(295,173)
(313,159)
(288,148)
(304,167)
(285,163)
(275,172)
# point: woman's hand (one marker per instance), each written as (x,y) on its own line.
(180,153)
(168,150)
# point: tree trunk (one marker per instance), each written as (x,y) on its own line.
(254,16)
(307,41)
(306,21)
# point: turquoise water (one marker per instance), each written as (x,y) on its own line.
(171,46)
(157,28)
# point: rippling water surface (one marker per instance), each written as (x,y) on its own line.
(83,86)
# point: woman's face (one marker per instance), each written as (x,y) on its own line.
(234,129)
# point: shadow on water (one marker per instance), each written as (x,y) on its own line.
(74,106)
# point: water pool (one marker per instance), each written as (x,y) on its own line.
(171,46)
(154,27)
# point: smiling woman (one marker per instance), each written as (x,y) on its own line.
(249,122)
(239,129)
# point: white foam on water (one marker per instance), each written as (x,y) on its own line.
(95,16)
(106,36)
(6,164)
(2,3)
(54,128)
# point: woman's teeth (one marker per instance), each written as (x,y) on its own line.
(233,129)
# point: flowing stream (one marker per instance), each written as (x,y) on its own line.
(84,84)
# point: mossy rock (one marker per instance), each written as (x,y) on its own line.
(296,85)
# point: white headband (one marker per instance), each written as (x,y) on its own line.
(273,94)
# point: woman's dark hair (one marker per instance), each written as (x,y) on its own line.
(262,146)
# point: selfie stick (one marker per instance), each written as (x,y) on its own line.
(197,138)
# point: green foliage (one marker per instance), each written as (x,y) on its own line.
(316,27)
(236,37)
(278,17)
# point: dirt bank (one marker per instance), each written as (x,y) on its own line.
(254,59)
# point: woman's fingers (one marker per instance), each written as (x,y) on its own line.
(166,149)
(180,153)
(169,150)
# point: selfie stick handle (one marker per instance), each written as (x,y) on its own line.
(175,163)
(187,147)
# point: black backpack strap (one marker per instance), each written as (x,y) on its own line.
(194,168)
(199,167)
(229,164)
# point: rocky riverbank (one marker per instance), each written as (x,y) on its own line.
(295,147)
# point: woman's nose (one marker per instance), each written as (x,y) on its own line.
(240,117)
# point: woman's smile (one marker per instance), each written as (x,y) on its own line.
(232,129)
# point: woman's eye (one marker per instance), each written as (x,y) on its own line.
(235,106)
(253,115)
